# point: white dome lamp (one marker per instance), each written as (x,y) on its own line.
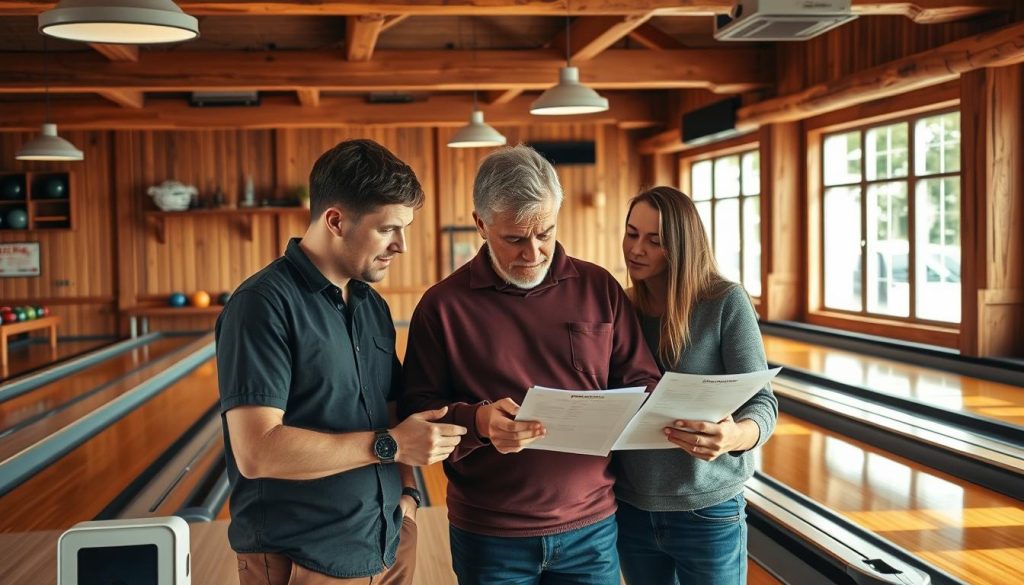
(476,134)
(48,145)
(133,22)
(569,97)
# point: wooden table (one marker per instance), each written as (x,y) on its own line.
(31,557)
(10,329)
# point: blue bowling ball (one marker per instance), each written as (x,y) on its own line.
(177,300)
(51,187)
(12,187)
(16,219)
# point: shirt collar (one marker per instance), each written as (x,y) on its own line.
(311,275)
(483,275)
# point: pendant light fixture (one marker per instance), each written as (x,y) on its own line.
(48,145)
(569,97)
(133,22)
(476,134)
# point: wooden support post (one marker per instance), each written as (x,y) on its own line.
(992,212)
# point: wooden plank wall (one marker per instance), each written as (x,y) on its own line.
(121,263)
(78,272)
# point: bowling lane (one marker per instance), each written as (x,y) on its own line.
(933,387)
(25,358)
(59,392)
(19,436)
(972,533)
(78,486)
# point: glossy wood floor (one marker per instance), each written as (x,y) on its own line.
(970,532)
(29,357)
(14,439)
(79,485)
(934,387)
(58,392)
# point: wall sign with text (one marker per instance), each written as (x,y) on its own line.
(19,259)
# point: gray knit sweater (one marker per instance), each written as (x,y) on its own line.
(724,339)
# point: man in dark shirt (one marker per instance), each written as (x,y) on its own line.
(521,313)
(306,363)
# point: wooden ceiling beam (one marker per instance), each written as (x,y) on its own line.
(995,48)
(129,53)
(309,98)
(361,33)
(498,98)
(717,70)
(923,11)
(651,37)
(134,100)
(627,109)
(592,35)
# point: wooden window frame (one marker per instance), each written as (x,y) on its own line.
(739,145)
(908,108)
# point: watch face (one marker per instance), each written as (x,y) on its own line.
(385,447)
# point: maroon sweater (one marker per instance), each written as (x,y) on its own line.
(475,339)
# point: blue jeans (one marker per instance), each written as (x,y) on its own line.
(699,547)
(585,556)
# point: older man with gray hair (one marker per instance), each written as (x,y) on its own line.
(523,313)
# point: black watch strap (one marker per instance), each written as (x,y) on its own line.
(414,494)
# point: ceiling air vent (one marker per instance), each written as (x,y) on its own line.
(781,20)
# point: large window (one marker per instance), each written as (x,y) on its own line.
(727,192)
(891,219)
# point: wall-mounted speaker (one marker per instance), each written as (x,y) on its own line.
(567,153)
(710,123)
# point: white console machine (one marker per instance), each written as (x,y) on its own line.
(145,551)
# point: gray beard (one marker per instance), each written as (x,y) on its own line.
(508,278)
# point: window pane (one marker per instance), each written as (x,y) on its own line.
(700,177)
(752,245)
(752,173)
(727,177)
(842,248)
(887,152)
(888,249)
(704,210)
(842,158)
(937,148)
(937,273)
(727,238)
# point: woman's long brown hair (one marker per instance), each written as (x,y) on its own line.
(692,272)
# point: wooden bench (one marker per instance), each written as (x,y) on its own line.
(10,329)
(139,316)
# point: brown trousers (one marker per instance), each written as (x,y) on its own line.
(276,569)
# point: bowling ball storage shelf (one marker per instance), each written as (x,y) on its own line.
(36,200)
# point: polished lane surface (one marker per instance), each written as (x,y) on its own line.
(937,388)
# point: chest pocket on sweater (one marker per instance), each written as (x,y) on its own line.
(591,346)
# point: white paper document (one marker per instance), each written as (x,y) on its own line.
(587,422)
(689,397)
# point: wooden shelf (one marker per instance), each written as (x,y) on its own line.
(44,213)
(158,219)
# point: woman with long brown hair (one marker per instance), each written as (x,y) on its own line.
(681,511)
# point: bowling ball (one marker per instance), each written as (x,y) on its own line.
(8,317)
(177,300)
(12,187)
(16,219)
(201,299)
(45,310)
(20,313)
(51,187)
(222,298)
(30,312)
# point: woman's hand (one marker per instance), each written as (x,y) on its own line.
(707,441)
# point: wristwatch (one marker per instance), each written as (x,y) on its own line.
(384,446)
(414,494)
